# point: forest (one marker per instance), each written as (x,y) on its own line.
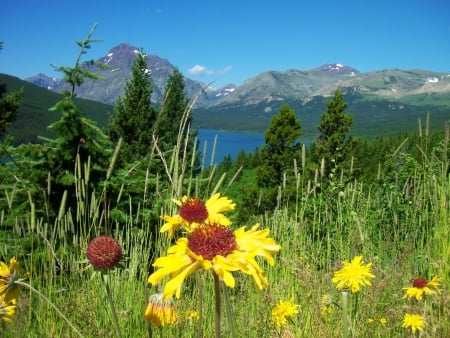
(124,231)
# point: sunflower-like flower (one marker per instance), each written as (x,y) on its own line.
(215,246)
(415,322)
(422,287)
(353,275)
(160,312)
(7,309)
(193,211)
(283,311)
(9,275)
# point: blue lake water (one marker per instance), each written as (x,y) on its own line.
(228,143)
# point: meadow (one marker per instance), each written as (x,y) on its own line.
(398,230)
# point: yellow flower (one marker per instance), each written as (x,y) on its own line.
(422,287)
(326,302)
(192,315)
(213,246)
(353,275)
(7,309)
(9,275)
(282,312)
(415,322)
(194,211)
(160,312)
(380,320)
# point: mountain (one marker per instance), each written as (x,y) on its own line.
(119,61)
(380,100)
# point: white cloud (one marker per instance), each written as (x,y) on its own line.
(200,70)
(224,70)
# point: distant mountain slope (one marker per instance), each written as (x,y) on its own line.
(34,116)
(119,61)
(382,100)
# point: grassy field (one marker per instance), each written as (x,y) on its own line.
(401,232)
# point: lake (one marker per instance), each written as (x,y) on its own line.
(228,143)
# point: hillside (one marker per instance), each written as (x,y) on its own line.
(34,115)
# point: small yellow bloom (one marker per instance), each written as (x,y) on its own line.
(422,287)
(326,302)
(9,275)
(194,211)
(415,322)
(380,320)
(212,246)
(192,315)
(160,312)
(7,309)
(353,275)
(283,311)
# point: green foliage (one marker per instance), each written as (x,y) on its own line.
(279,154)
(134,117)
(334,144)
(50,166)
(9,106)
(175,122)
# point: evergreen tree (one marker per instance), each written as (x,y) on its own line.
(175,120)
(280,149)
(278,153)
(333,144)
(134,117)
(9,106)
(52,164)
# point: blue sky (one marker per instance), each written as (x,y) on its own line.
(230,41)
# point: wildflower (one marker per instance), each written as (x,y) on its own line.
(380,320)
(353,275)
(194,211)
(160,312)
(215,246)
(7,309)
(415,322)
(9,275)
(282,312)
(192,315)
(422,287)
(326,302)
(104,252)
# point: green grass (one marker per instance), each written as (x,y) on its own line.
(403,230)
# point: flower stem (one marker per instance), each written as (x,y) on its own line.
(345,315)
(229,310)
(111,303)
(51,304)
(217,305)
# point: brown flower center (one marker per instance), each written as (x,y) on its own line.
(420,283)
(104,252)
(194,210)
(211,240)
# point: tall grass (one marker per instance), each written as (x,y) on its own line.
(402,229)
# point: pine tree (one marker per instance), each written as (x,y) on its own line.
(52,164)
(333,144)
(278,153)
(9,106)
(134,117)
(175,120)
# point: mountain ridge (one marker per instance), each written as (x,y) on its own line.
(267,86)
